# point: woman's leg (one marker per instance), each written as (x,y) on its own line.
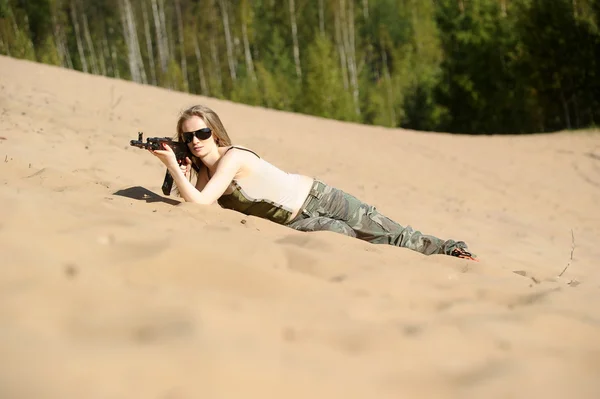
(320,223)
(370,225)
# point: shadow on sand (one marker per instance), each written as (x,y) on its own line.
(143,194)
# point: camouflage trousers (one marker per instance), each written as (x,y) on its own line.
(330,209)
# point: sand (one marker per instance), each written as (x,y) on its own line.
(110,289)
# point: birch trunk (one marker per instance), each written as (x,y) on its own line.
(113,56)
(203,86)
(59,38)
(353,69)
(90,43)
(102,59)
(149,48)
(215,61)
(340,47)
(295,38)
(167,33)
(321,17)
(388,87)
(136,42)
(133,69)
(228,42)
(365,9)
(186,84)
(247,52)
(136,65)
(78,40)
(163,52)
(347,23)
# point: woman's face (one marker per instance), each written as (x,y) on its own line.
(199,148)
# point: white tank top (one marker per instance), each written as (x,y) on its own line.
(270,184)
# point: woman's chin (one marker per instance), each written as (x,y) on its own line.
(198,153)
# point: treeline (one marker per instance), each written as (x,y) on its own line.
(468,66)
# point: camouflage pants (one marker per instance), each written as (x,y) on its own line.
(330,209)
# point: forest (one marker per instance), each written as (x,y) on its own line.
(458,66)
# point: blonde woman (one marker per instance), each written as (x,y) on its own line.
(238,179)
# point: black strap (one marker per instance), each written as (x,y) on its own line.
(241,148)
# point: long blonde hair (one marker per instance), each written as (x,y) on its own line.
(212,121)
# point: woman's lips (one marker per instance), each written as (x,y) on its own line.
(197,149)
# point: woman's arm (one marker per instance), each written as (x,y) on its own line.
(228,166)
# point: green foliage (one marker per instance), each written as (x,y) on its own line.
(22,47)
(479,87)
(468,66)
(4,9)
(247,91)
(47,52)
(560,60)
(174,77)
(324,94)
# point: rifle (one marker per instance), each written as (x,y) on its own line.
(180,149)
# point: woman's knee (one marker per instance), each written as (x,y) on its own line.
(326,224)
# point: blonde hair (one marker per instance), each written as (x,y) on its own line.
(212,121)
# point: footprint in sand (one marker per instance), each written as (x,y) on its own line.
(134,325)
(304,240)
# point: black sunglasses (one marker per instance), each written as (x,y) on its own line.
(201,134)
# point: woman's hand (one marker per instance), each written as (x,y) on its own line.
(186,168)
(167,156)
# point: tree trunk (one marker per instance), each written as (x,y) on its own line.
(388,87)
(295,38)
(352,66)
(365,9)
(576,111)
(340,46)
(133,69)
(78,40)
(167,34)
(136,65)
(215,61)
(228,42)
(347,30)
(149,48)
(321,17)
(163,51)
(565,105)
(186,84)
(115,61)
(102,59)
(203,86)
(59,38)
(247,52)
(89,42)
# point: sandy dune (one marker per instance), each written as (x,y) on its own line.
(110,290)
